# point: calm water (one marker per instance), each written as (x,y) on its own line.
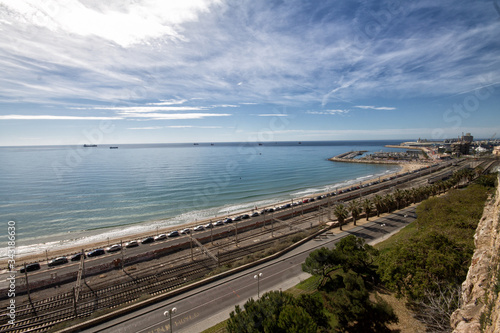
(62,195)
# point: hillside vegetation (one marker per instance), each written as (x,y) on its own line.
(428,262)
(425,264)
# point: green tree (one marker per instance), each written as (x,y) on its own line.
(354,310)
(260,315)
(341,213)
(314,307)
(378,201)
(367,208)
(388,202)
(354,254)
(398,197)
(295,319)
(321,262)
(278,312)
(355,209)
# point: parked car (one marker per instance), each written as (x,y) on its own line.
(209,225)
(30,267)
(199,228)
(174,233)
(255,214)
(160,237)
(219,223)
(228,220)
(147,240)
(76,257)
(57,261)
(95,253)
(132,243)
(185,231)
(114,248)
(245,216)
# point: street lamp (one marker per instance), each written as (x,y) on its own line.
(257,277)
(169,313)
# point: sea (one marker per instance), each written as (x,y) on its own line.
(62,196)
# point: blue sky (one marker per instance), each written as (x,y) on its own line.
(137,71)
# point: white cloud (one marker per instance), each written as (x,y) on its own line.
(50,117)
(371,107)
(171,116)
(273,115)
(169,102)
(116,21)
(173,126)
(146,128)
(190,126)
(329,112)
(148,109)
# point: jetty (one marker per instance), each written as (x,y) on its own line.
(351,154)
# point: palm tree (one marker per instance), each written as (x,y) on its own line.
(367,207)
(388,202)
(414,194)
(379,204)
(355,209)
(341,213)
(406,197)
(398,198)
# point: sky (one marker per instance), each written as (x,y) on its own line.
(145,71)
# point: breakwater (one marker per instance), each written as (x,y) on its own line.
(364,161)
(351,154)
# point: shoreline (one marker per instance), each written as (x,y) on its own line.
(148,230)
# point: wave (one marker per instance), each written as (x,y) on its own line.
(140,197)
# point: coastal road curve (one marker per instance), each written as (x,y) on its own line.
(205,306)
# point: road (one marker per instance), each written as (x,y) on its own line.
(206,306)
(47,273)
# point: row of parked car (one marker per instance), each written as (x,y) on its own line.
(117,247)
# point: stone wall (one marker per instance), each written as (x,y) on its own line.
(480,308)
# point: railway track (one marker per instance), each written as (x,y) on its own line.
(41,315)
(54,310)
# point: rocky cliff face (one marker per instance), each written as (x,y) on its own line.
(480,309)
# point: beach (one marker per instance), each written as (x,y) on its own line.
(68,248)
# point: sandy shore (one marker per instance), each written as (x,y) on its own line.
(64,251)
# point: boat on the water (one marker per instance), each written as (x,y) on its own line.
(88,146)
(113,147)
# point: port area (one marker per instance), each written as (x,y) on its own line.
(351,154)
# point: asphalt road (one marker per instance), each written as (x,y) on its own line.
(46,272)
(206,306)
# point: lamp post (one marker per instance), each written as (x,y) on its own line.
(257,277)
(169,313)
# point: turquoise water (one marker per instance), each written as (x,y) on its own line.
(63,195)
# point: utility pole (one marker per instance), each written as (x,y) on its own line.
(191,243)
(211,233)
(236,232)
(123,259)
(272,224)
(28,288)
